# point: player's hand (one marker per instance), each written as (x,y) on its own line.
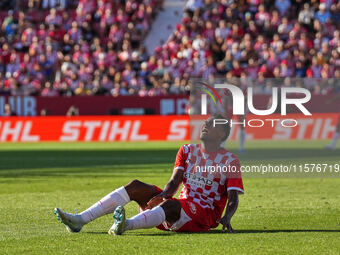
(156,200)
(225,221)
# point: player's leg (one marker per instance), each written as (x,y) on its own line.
(335,137)
(169,211)
(141,192)
(133,191)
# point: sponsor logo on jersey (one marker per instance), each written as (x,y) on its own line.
(197,180)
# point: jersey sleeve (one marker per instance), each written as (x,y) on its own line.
(234,177)
(181,157)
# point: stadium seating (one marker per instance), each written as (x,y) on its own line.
(95,47)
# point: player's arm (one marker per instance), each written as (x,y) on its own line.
(169,190)
(175,180)
(173,184)
(234,188)
(230,211)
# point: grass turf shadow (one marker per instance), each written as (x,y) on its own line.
(11,159)
(218,231)
(268,231)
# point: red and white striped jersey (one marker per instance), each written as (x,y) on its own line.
(207,178)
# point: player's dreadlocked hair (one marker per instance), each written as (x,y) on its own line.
(226,126)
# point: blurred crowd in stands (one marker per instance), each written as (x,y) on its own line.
(95,47)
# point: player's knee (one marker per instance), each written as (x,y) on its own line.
(134,183)
(172,210)
(132,187)
(135,189)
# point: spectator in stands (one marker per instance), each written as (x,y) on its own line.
(306,15)
(283,6)
(323,15)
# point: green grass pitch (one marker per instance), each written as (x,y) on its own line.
(275,216)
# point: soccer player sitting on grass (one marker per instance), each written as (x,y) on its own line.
(204,195)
